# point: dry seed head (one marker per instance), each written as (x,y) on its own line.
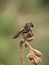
(38,53)
(30,56)
(33,58)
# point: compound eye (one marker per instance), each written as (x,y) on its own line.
(31,25)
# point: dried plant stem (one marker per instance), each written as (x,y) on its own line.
(28,45)
(38,53)
(32,53)
(21,54)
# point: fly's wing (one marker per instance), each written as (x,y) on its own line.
(18,33)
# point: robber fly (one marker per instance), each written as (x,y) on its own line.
(27,27)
